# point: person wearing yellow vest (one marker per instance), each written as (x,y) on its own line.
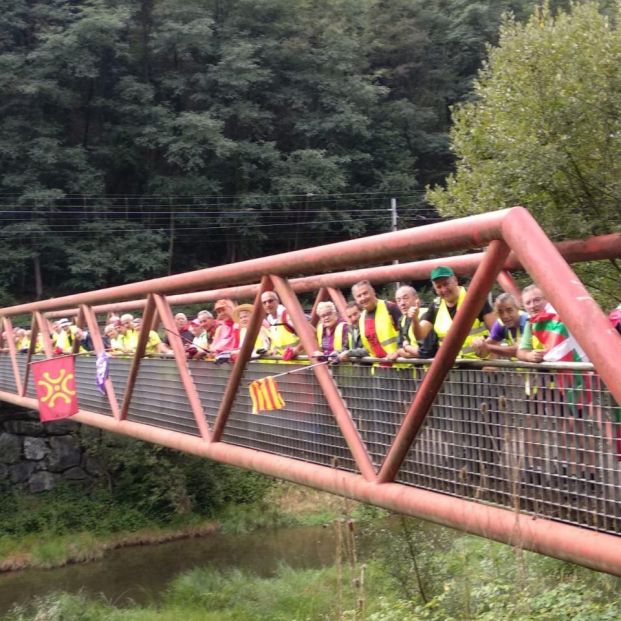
(128,336)
(112,340)
(61,336)
(241,316)
(155,346)
(283,338)
(505,335)
(332,331)
(409,304)
(83,338)
(378,324)
(22,340)
(440,313)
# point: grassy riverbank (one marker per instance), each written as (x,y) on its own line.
(470,580)
(68,526)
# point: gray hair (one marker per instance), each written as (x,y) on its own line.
(407,288)
(506,298)
(326,306)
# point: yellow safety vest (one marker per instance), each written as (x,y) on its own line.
(280,336)
(338,335)
(116,345)
(23,343)
(153,341)
(263,339)
(518,334)
(387,334)
(61,340)
(404,318)
(443,323)
(129,340)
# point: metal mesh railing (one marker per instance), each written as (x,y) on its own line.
(7,379)
(304,429)
(377,399)
(543,442)
(159,398)
(539,440)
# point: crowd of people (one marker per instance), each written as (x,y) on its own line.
(371,327)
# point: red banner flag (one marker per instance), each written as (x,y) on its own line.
(54,381)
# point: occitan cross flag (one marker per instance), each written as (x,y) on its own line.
(54,381)
(265,395)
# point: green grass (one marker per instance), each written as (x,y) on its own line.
(471,580)
(72,525)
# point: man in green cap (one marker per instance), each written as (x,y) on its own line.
(441,312)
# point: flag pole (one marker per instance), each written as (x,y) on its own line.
(311,366)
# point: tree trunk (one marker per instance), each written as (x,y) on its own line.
(37,277)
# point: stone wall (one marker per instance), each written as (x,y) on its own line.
(38,457)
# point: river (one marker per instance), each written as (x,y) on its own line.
(141,573)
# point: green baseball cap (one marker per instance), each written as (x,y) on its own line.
(444,271)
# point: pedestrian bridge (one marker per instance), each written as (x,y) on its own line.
(522,453)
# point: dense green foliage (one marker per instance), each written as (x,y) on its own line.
(466,579)
(544,127)
(140,485)
(139,137)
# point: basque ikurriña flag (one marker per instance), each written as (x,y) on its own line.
(54,381)
(265,395)
(552,334)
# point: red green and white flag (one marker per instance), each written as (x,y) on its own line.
(550,333)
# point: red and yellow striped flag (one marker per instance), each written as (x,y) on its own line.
(265,395)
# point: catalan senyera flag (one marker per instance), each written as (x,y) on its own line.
(54,381)
(265,395)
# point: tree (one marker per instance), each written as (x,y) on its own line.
(544,129)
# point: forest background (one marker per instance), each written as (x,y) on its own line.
(146,137)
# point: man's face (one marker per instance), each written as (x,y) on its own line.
(508,313)
(206,321)
(180,320)
(328,317)
(269,302)
(447,288)
(126,324)
(222,312)
(353,315)
(196,330)
(405,299)
(365,297)
(533,301)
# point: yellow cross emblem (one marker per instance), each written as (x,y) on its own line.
(56,387)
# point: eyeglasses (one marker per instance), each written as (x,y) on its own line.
(220,310)
(269,300)
(326,315)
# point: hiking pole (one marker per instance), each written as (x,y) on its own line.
(186,340)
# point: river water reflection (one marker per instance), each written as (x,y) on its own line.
(140,574)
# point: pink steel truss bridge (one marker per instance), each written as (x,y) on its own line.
(446,441)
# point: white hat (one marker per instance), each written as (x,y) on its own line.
(63,322)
